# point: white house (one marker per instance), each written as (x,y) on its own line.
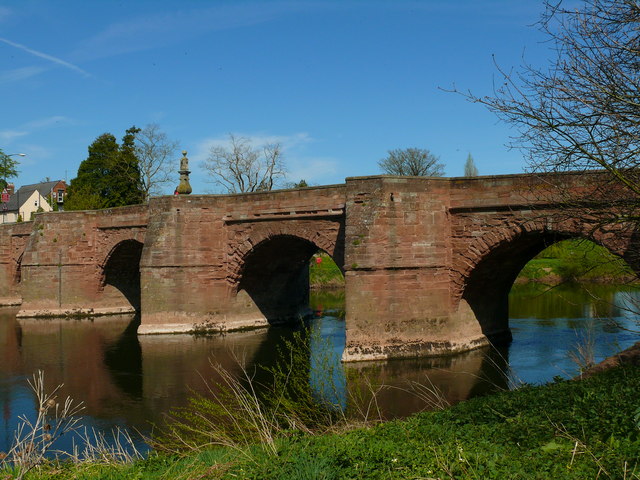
(29,199)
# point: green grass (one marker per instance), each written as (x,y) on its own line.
(565,430)
(577,260)
(326,273)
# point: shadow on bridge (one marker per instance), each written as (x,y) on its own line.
(122,272)
(275,276)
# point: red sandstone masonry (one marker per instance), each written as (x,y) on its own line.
(62,266)
(428,262)
(13,238)
(197,247)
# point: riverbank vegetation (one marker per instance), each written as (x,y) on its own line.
(576,261)
(567,429)
(324,273)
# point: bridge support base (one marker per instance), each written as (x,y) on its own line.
(356,352)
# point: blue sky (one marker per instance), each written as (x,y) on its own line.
(337,83)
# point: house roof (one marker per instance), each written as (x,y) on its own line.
(23,194)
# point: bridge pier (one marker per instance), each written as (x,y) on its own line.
(398,262)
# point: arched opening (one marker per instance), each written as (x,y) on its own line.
(275,276)
(122,271)
(533,255)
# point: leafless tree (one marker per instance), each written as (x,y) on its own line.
(582,112)
(156,154)
(240,167)
(416,162)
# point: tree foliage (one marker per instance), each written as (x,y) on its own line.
(416,162)
(8,168)
(155,152)
(240,167)
(470,169)
(582,112)
(109,177)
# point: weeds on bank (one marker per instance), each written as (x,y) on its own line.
(240,411)
(583,353)
(34,440)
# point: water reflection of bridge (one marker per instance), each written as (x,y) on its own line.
(121,376)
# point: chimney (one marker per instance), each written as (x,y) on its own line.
(11,188)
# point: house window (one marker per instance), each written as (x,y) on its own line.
(60,196)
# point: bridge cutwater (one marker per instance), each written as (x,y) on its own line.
(428,262)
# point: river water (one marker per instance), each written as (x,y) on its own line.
(131,382)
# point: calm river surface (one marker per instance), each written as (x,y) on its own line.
(130,381)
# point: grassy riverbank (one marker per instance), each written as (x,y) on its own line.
(568,429)
(576,261)
(324,273)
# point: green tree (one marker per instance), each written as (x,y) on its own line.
(109,177)
(8,168)
(470,169)
(415,162)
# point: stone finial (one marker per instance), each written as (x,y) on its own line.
(184,188)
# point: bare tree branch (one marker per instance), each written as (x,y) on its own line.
(239,167)
(416,162)
(155,154)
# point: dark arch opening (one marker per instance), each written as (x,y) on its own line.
(122,270)
(488,287)
(276,277)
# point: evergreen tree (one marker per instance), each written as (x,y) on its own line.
(109,177)
(470,169)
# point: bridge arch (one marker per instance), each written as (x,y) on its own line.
(489,268)
(270,268)
(120,272)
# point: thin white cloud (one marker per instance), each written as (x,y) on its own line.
(288,143)
(35,153)
(7,135)
(45,56)
(5,12)
(26,129)
(53,121)
(160,29)
(19,74)
(315,171)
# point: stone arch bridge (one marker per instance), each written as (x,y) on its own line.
(428,262)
